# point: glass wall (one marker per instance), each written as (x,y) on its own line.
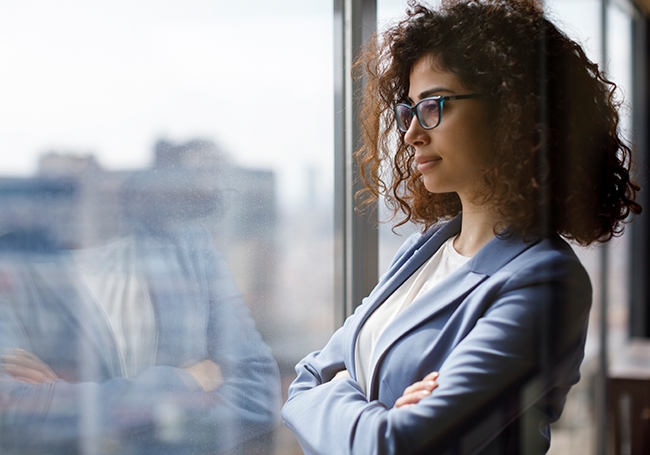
(580,427)
(166,231)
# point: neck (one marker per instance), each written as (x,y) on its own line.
(477,229)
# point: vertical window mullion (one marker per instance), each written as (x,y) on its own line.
(356,235)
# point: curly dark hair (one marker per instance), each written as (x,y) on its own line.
(559,164)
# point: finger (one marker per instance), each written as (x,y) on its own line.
(33,376)
(412,388)
(428,384)
(26,359)
(21,360)
(341,374)
(411,398)
(24,373)
(33,366)
(18,352)
(431,376)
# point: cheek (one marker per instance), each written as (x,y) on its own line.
(479,141)
(480,150)
(469,148)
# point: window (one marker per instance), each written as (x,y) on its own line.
(203,130)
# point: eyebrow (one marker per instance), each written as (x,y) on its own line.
(431,92)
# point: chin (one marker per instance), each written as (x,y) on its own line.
(435,188)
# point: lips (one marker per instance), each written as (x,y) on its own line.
(427,162)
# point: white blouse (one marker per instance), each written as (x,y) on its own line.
(442,263)
(110,274)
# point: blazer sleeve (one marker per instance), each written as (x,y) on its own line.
(248,403)
(502,351)
(161,405)
(320,367)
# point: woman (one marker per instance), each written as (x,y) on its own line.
(507,139)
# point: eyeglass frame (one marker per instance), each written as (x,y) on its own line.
(441,101)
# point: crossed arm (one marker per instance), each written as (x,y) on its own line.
(496,358)
(27,367)
(412,394)
(228,394)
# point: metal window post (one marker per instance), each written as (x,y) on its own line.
(356,236)
(640,250)
(601,394)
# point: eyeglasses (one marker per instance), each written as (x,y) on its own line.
(428,111)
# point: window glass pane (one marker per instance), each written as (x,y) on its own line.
(157,159)
(388,12)
(575,432)
(619,70)
(580,19)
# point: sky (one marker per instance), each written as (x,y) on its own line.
(112,77)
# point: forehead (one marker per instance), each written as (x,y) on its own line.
(428,74)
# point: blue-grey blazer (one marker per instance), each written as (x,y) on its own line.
(200,314)
(506,332)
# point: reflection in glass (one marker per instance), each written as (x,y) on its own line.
(89,89)
(121,327)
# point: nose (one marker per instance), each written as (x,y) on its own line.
(416,135)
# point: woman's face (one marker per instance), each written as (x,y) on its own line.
(451,155)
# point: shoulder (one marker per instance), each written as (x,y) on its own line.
(551,258)
(516,256)
(531,271)
(545,278)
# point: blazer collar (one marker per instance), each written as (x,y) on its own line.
(412,259)
(492,257)
(498,252)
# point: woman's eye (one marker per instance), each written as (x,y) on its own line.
(429,108)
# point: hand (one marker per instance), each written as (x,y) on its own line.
(207,374)
(341,374)
(27,367)
(418,390)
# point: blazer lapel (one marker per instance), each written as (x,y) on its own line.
(448,294)
(440,301)
(58,285)
(179,302)
(398,273)
(157,262)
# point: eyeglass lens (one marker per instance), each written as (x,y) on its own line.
(427,111)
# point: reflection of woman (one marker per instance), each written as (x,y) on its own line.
(472,339)
(143,345)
